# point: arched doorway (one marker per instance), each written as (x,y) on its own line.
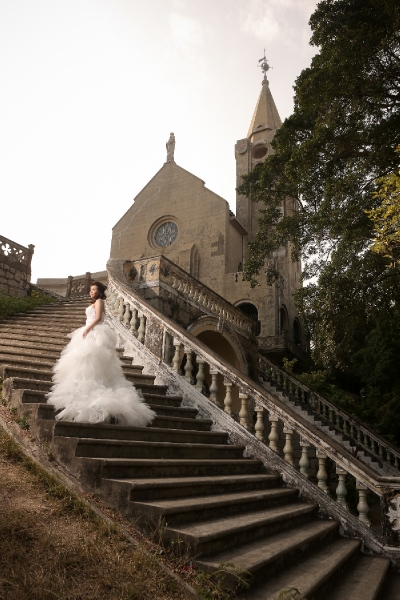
(296,332)
(251,311)
(283,320)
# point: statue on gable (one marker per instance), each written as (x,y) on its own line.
(170,145)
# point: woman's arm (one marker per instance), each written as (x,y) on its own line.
(99,308)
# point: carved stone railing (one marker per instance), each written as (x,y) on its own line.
(15,267)
(362,437)
(16,253)
(72,286)
(159,272)
(270,429)
(281,342)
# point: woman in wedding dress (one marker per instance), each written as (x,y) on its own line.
(89,383)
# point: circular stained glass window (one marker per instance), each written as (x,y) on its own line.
(166,234)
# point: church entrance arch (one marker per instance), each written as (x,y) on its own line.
(225,345)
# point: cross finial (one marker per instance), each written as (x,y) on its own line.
(264,67)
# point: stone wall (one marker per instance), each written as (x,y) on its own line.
(15,268)
(72,286)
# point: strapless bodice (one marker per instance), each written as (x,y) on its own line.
(91,315)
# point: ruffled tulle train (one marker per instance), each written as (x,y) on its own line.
(89,383)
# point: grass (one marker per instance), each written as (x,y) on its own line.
(53,545)
(10,305)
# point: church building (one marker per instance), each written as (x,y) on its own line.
(177,216)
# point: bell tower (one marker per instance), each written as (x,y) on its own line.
(254,148)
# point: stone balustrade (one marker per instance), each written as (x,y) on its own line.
(15,267)
(360,435)
(160,273)
(320,462)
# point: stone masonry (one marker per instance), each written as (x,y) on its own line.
(15,268)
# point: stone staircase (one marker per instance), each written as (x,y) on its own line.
(186,483)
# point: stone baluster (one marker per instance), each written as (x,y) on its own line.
(127,314)
(351,429)
(174,282)
(288,447)
(259,426)
(338,420)
(188,365)
(142,328)
(121,309)
(228,396)
(273,434)
(244,413)
(214,387)
(134,321)
(341,490)
(322,475)
(359,439)
(396,461)
(362,506)
(176,361)
(116,305)
(304,462)
(380,451)
(200,373)
(331,415)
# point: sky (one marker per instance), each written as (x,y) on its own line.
(91,89)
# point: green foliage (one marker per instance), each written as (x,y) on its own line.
(335,158)
(222,583)
(10,305)
(386,217)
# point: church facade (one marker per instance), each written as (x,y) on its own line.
(177,216)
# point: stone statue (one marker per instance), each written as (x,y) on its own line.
(170,145)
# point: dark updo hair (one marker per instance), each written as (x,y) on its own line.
(102,288)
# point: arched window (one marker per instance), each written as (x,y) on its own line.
(283,320)
(296,332)
(251,311)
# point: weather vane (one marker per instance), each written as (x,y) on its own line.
(264,66)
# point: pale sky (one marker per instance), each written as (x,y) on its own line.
(91,89)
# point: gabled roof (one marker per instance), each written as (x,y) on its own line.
(266,115)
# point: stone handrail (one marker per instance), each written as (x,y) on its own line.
(161,271)
(339,418)
(15,252)
(172,345)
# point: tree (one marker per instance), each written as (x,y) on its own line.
(330,155)
(386,218)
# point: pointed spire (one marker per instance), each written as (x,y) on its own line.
(266,115)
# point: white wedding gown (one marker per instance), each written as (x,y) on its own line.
(89,383)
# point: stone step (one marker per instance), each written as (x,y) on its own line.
(173,422)
(265,557)
(50,324)
(23,361)
(184,487)
(314,575)
(364,581)
(16,352)
(162,400)
(215,535)
(190,509)
(391,587)
(34,343)
(105,431)
(173,411)
(94,448)
(51,329)
(36,383)
(27,372)
(150,468)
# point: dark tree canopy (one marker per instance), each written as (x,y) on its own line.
(330,155)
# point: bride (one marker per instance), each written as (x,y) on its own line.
(89,383)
